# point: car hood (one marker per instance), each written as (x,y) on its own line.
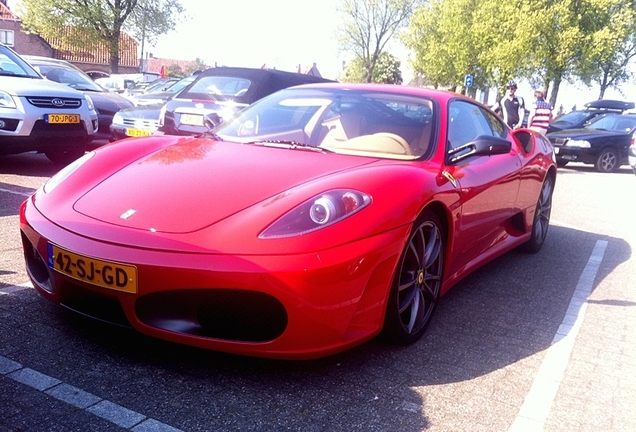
(584,134)
(196,183)
(22,86)
(109,101)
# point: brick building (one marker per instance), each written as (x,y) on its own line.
(95,62)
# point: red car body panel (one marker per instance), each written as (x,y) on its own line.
(200,205)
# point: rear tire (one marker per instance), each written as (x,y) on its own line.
(541,217)
(417,282)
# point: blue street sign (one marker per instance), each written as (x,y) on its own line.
(468,81)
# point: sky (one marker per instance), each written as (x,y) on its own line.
(250,33)
(283,34)
(286,33)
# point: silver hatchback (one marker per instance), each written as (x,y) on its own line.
(40,115)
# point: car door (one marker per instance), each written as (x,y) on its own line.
(488,184)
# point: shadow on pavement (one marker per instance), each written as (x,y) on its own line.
(501,314)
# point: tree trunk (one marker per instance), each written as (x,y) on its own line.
(114,52)
(555,90)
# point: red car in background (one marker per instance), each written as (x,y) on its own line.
(318,218)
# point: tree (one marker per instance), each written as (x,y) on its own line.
(442,37)
(95,21)
(151,19)
(196,65)
(386,71)
(590,40)
(610,44)
(369,24)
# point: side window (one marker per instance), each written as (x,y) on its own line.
(496,125)
(466,122)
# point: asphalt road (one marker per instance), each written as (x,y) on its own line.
(527,343)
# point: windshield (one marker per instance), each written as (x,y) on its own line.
(617,123)
(219,88)
(12,65)
(573,118)
(181,84)
(67,76)
(356,122)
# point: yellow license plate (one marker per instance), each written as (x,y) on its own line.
(137,132)
(106,274)
(192,119)
(62,118)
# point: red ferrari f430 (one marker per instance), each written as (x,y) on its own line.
(316,219)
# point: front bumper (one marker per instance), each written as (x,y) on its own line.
(281,306)
(575,154)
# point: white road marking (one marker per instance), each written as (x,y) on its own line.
(26,194)
(105,409)
(538,402)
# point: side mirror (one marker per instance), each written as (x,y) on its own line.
(212,120)
(483,145)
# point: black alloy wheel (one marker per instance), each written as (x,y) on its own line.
(608,160)
(417,282)
(541,217)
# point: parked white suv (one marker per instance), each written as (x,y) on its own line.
(41,115)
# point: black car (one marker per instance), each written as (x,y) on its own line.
(603,143)
(580,118)
(218,93)
(106,103)
(143,118)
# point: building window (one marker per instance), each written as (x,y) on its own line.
(6,37)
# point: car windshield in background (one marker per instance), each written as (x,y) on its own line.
(362,123)
(217,88)
(572,118)
(617,123)
(10,65)
(69,77)
(181,84)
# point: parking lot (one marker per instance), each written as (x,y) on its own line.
(526,343)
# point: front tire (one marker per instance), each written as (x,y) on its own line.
(608,160)
(417,282)
(541,220)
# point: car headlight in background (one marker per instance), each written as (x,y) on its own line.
(578,143)
(319,212)
(162,115)
(89,102)
(117,119)
(6,101)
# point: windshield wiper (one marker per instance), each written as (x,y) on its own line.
(210,134)
(290,144)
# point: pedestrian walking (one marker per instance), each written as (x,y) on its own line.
(540,113)
(512,107)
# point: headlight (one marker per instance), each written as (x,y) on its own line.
(89,102)
(319,212)
(65,172)
(6,101)
(578,143)
(162,115)
(117,119)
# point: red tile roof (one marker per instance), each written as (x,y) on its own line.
(5,13)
